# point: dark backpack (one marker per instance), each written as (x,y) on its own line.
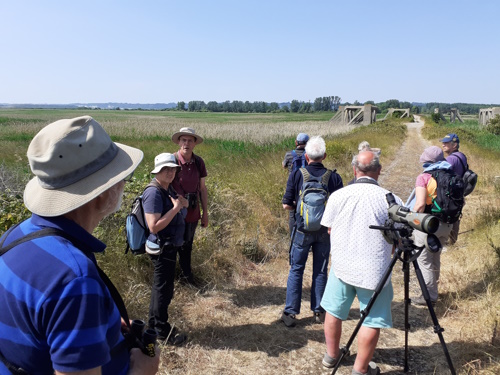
(298,161)
(449,200)
(469,177)
(137,230)
(312,201)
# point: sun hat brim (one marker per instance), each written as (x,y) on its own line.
(56,202)
(197,138)
(158,168)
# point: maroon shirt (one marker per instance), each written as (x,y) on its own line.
(188,181)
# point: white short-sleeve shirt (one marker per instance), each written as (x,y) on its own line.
(360,255)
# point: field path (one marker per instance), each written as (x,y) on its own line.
(237,330)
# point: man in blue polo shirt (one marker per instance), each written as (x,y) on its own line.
(57,315)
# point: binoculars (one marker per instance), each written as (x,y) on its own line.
(144,339)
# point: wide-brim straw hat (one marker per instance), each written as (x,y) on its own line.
(187,131)
(165,160)
(74,161)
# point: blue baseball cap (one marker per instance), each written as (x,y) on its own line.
(302,138)
(452,137)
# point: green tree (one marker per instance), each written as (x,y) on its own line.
(181,106)
(318,104)
(294,106)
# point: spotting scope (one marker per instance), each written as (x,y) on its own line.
(419,221)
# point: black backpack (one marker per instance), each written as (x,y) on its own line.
(469,177)
(449,200)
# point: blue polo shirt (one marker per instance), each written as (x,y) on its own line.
(56,312)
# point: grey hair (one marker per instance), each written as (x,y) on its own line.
(364,146)
(315,148)
(373,166)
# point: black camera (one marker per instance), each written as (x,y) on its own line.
(192,200)
(144,339)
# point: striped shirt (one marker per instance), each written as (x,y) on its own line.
(56,312)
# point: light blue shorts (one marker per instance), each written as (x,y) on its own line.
(338,298)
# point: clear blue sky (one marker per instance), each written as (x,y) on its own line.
(56,51)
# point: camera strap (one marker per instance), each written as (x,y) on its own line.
(366,180)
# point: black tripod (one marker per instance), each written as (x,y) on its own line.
(407,252)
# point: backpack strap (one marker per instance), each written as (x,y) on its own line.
(305,175)
(326,177)
(461,161)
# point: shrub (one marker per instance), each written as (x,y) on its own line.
(494,125)
(436,117)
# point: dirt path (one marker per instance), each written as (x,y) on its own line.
(238,331)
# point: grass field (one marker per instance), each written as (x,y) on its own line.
(248,227)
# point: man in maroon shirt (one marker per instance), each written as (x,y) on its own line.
(190,183)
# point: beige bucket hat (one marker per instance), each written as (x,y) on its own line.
(74,160)
(187,131)
(165,160)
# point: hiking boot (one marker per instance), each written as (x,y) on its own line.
(420,301)
(174,337)
(373,369)
(189,280)
(319,317)
(328,362)
(288,319)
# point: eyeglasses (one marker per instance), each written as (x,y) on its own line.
(129,177)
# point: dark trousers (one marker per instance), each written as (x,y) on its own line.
(186,250)
(163,289)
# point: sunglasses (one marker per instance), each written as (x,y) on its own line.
(129,177)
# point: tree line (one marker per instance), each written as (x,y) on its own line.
(325,104)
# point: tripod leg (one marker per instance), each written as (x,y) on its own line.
(406,274)
(437,328)
(345,350)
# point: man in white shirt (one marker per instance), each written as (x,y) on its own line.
(360,256)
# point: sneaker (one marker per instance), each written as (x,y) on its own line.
(420,301)
(373,369)
(319,317)
(328,361)
(288,319)
(174,337)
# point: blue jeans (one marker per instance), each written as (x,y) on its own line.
(319,242)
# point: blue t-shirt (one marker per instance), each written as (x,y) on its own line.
(56,312)
(153,203)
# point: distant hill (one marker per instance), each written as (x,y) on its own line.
(111,105)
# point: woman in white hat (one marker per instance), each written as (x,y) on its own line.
(58,314)
(164,212)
